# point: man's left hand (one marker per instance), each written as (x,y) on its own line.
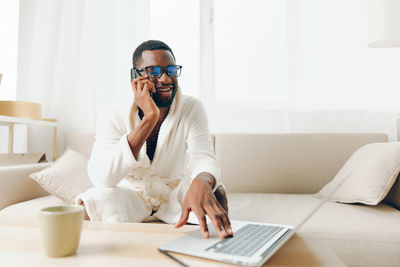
(201,200)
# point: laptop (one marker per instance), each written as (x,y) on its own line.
(253,243)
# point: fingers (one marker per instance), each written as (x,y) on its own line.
(216,219)
(226,223)
(220,220)
(135,81)
(142,84)
(184,216)
(201,216)
(220,195)
(133,84)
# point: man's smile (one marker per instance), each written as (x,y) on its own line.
(165,88)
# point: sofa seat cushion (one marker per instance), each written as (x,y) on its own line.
(350,221)
(360,235)
(27,212)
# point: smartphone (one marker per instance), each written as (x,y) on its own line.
(135,75)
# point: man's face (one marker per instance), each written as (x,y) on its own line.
(165,85)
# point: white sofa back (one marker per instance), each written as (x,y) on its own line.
(273,163)
(81,142)
(285,163)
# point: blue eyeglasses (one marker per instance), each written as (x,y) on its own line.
(155,72)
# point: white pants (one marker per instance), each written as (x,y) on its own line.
(123,204)
(114,204)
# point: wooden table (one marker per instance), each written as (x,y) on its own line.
(135,244)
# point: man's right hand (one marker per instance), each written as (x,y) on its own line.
(141,87)
(138,136)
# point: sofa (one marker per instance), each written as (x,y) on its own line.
(268,178)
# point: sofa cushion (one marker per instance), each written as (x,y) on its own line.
(354,221)
(66,178)
(369,174)
(27,212)
(15,185)
(393,197)
(360,235)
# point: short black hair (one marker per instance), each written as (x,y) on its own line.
(149,45)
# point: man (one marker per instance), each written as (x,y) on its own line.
(138,162)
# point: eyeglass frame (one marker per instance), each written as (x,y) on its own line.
(135,73)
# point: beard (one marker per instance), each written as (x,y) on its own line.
(162,102)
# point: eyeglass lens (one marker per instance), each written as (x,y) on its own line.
(156,71)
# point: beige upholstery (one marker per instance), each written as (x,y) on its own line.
(81,142)
(26,213)
(285,163)
(369,175)
(361,235)
(270,164)
(350,221)
(28,210)
(16,186)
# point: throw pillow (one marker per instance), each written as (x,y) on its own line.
(393,197)
(66,178)
(373,169)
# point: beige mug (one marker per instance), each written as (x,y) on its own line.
(60,229)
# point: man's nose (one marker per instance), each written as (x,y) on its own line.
(164,78)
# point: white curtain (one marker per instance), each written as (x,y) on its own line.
(74,58)
(334,83)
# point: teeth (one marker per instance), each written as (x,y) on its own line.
(164,90)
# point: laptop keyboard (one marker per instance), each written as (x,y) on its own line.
(247,240)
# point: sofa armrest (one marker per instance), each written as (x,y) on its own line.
(16,186)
